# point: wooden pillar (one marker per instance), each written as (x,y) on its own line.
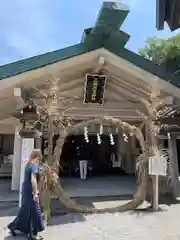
(38,143)
(134,153)
(173,164)
(50,140)
(121,148)
(129,158)
(125,148)
(146,132)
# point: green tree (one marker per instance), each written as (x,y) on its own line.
(163,52)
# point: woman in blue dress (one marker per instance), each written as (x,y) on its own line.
(29,220)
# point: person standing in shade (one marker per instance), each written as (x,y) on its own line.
(29,220)
(83,161)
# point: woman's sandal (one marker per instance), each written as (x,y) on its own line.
(12,231)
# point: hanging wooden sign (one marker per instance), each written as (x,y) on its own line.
(94,88)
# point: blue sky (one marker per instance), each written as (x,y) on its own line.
(33,27)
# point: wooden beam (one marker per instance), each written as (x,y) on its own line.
(110,96)
(67,74)
(50,139)
(7,107)
(134,89)
(132,92)
(43,81)
(21,96)
(75,93)
(123,92)
(62,86)
(119,94)
(78,71)
(116,105)
(78,104)
(71,84)
(127,76)
(100,63)
(55,68)
(123,114)
(75,90)
(123,65)
(148,78)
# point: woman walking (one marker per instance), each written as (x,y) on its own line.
(29,220)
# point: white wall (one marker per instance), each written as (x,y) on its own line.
(7,129)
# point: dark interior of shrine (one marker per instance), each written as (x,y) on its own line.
(178,153)
(178,150)
(75,148)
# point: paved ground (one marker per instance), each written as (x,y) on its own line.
(102,186)
(163,225)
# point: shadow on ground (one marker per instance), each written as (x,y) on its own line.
(167,199)
(141,212)
(11,209)
(90,202)
(18,237)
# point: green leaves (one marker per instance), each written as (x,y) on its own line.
(153,50)
(163,52)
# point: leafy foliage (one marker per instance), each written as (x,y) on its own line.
(163,52)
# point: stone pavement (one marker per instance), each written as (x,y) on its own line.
(163,225)
(140,225)
(102,186)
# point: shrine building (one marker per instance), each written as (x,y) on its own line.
(97,77)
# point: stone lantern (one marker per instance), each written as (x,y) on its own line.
(29,118)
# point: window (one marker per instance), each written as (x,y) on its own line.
(6,144)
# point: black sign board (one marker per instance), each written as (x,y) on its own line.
(94,88)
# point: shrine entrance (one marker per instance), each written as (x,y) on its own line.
(102,158)
(104,179)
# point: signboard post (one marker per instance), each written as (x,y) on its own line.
(157,167)
(27,147)
(156,194)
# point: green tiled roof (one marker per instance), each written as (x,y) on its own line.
(104,34)
(39,61)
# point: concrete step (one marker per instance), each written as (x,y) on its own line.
(6,170)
